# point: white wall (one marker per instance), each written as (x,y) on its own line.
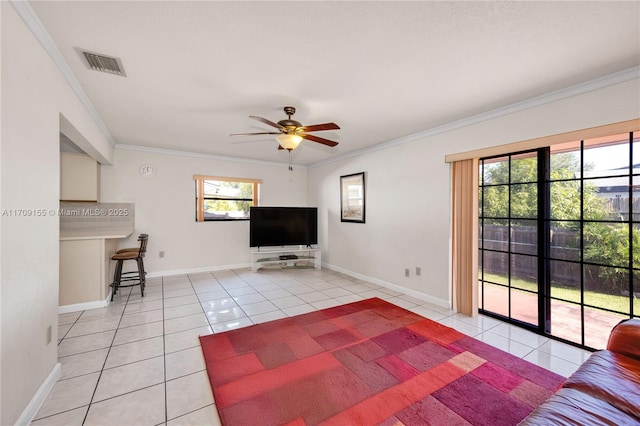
(165,207)
(34,95)
(409,195)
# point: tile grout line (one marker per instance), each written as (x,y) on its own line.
(164,357)
(67,332)
(105,360)
(166,398)
(202,307)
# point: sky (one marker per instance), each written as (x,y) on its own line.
(612,156)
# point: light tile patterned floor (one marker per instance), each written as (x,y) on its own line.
(139,362)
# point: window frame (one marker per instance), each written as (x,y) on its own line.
(201,198)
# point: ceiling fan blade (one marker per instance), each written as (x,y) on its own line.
(319,140)
(318,127)
(258,133)
(265,121)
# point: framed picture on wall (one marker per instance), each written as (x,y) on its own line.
(352,198)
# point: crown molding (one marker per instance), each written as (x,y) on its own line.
(567,92)
(32,21)
(174,152)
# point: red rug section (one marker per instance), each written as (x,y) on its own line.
(368,363)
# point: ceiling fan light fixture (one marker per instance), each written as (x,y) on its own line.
(288,141)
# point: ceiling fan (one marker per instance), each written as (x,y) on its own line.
(291,132)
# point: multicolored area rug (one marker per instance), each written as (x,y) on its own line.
(368,363)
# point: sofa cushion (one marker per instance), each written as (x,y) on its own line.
(573,407)
(611,377)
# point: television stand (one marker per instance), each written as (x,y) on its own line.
(297,258)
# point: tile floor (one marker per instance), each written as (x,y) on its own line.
(138,361)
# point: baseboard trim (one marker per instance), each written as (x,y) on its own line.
(413,293)
(85,306)
(196,270)
(38,399)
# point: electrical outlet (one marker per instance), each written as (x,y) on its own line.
(406,272)
(161,254)
(418,271)
(49,334)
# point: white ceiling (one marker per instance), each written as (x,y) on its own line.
(380,70)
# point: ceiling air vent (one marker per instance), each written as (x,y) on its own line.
(103,63)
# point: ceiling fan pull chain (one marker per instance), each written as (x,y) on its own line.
(290,161)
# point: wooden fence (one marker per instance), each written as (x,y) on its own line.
(565,245)
(619,208)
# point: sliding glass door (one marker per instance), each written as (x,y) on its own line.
(560,237)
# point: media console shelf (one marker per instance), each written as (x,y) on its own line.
(306,257)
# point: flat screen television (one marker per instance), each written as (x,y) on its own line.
(283,226)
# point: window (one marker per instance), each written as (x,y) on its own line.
(559,237)
(222,198)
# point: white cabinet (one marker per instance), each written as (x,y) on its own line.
(286,258)
(78,177)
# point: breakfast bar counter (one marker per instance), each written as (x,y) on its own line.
(93,234)
(90,234)
(86,268)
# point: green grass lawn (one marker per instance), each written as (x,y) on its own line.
(592,298)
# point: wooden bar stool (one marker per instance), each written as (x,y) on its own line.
(127,249)
(136,254)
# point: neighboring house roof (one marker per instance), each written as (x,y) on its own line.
(608,181)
